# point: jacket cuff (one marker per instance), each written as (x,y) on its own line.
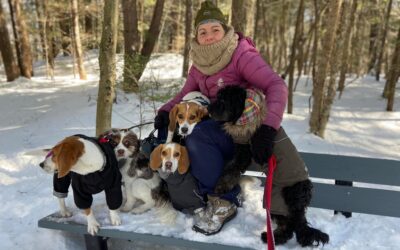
(60,195)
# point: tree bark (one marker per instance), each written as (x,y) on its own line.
(295,47)
(328,42)
(346,44)
(7,54)
(238,15)
(374,33)
(131,45)
(22,39)
(107,62)
(151,38)
(394,74)
(188,35)
(77,40)
(383,41)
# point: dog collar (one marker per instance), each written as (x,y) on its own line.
(251,108)
(49,154)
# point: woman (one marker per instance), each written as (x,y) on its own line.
(222,57)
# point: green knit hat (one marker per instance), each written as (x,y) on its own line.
(208,11)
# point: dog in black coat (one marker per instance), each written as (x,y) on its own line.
(228,108)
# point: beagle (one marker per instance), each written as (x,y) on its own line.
(170,157)
(187,114)
(172,162)
(90,166)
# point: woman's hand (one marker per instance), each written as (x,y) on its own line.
(262,143)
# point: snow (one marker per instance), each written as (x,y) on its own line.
(38,113)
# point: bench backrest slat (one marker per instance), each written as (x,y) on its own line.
(350,168)
(356,199)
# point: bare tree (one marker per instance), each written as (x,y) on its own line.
(383,40)
(295,48)
(188,34)
(346,44)
(77,40)
(108,47)
(238,15)
(7,54)
(394,74)
(319,88)
(131,44)
(21,38)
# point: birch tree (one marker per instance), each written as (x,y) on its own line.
(77,40)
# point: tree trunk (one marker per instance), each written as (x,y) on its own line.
(40,17)
(238,15)
(22,39)
(324,57)
(333,65)
(188,35)
(383,41)
(151,38)
(394,74)
(173,43)
(282,39)
(346,44)
(131,45)
(107,54)
(10,65)
(77,40)
(295,47)
(374,33)
(66,23)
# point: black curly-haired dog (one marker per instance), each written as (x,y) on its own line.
(292,197)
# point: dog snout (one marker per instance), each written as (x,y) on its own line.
(120,152)
(184,130)
(168,165)
(41,164)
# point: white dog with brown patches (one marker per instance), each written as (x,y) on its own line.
(187,114)
(90,166)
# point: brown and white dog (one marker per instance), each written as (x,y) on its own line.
(171,160)
(170,157)
(140,181)
(77,159)
(187,114)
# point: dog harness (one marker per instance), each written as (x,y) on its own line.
(84,186)
(251,108)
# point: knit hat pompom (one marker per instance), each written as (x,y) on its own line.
(208,11)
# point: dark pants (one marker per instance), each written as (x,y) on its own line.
(209,149)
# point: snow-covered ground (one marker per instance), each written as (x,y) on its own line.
(37,113)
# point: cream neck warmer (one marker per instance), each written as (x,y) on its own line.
(209,59)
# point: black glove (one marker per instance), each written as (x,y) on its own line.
(161,120)
(262,143)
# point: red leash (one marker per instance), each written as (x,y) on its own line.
(267,201)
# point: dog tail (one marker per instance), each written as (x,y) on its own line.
(166,213)
(164,209)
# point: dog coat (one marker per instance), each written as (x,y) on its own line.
(84,186)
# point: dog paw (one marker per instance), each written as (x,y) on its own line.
(311,237)
(93,227)
(114,217)
(65,213)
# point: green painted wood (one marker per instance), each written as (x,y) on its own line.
(351,168)
(51,222)
(356,199)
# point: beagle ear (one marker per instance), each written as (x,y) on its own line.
(183,164)
(172,118)
(67,154)
(203,111)
(155,157)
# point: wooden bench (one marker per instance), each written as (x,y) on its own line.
(369,199)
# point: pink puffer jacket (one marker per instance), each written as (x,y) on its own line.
(247,69)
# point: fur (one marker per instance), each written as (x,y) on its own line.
(228,108)
(141,183)
(75,154)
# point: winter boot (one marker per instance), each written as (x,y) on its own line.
(216,214)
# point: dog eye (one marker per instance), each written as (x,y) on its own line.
(164,153)
(176,154)
(192,117)
(180,116)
